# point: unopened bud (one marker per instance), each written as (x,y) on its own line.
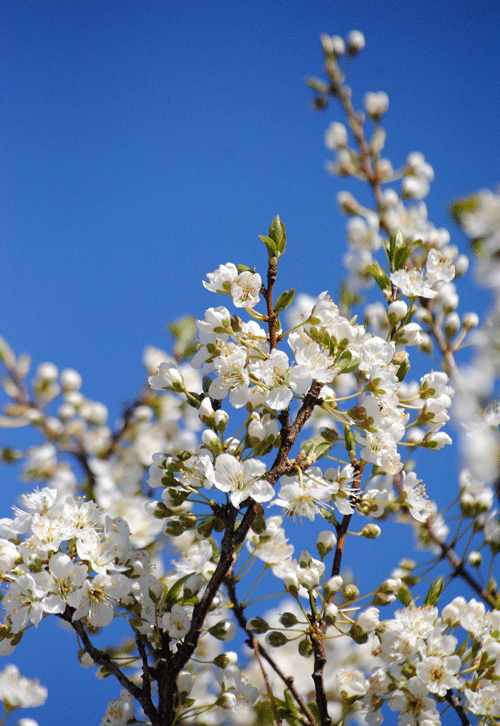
(371,531)
(355,42)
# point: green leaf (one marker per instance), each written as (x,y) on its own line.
(284,300)
(347,362)
(272,248)
(379,276)
(184,332)
(404,596)
(318,447)
(173,593)
(434,593)
(401,257)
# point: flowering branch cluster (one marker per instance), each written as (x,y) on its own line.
(259,425)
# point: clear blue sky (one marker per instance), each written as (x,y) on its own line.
(144,143)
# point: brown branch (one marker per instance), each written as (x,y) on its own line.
(458,567)
(142,695)
(233,538)
(272,271)
(454,702)
(319,665)
(343,527)
(238,610)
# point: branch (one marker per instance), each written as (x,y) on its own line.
(238,610)
(319,665)
(344,526)
(232,538)
(142,695)
(454,702)
(459,568)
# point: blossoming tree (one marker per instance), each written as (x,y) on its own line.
(278,408)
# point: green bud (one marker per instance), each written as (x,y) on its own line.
(305,648)
(357,634)
(288,620)
(350,592)
(276,639)
(349,439)
(258,625)
(278,235)
(371,531)
(434,592)
(404,596)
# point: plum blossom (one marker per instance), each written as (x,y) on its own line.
(242,479)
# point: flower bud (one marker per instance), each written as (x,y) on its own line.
(221,419)
(288,620)
(258,625)
(470,321)
(397,311)
(225,659)
(224,630)
(331,613)
(368,620)
(333,585)
(451,324)
(355,42)
(348,203)
(185,682)
(211,441)
(371,531)
(350,592)
(325,542)
(376,105)
(461,265)
(336,136)
(475,559)
(276,639)
(70,380)
(47,372)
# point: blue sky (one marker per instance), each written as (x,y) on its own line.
(144,143)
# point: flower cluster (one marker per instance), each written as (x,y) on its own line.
(250,428)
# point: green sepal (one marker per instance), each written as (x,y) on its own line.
(305,648)
(284,300)
(434,593)
(257,625)
(379,276)
(276,639)
(321,337)
(377,141)
(396,242)
(317,85)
